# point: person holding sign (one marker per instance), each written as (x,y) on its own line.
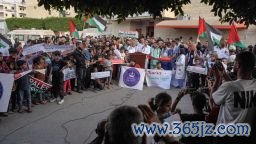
(57,77)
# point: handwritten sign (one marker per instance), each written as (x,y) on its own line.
(98,75)
(198,70)
(158,78)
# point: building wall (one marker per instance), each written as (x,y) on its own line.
(9,10)
(196,9)
(33,11)
(114,27)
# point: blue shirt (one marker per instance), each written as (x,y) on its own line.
(87,55)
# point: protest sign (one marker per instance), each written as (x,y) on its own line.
(19,75)
(38,86)
(33,49)
(198,70)
(6,84)
(61,48)
(159,78)
(69,73)
(98,75)
(132,78)
(128,34)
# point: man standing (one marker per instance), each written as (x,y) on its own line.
(237,98)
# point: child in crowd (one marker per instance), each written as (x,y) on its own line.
(159,66)
(225,64)
(108,67)
(57,77)
(126,58)
(12,70)
(67,83)
(23,87)
(39,73)
(195,77)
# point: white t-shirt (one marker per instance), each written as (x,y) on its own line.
(222,53)
(131,49)
(237,100)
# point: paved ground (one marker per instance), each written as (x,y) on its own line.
(74,121)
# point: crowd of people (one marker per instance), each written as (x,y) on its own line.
(214,96)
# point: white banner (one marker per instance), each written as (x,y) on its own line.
(33,49)
(61,48)
(98,75)
(19,75)
(197,70)
(6,84)
(159,78)
(128,34)
(132,78)
(46,48)
(69,73)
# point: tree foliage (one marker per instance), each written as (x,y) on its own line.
(55,24)
(120,8)
(228,10)
(241,11)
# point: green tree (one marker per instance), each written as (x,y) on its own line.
(227,10)
(53,23)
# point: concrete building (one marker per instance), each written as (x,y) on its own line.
(144,24)
(30,9)
(12,9)
(186,26)
(33,11)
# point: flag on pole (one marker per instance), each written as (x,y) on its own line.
(73,31)
(4,45)
(234,38)
(98,22)
(202,33)
(214,34)
(6,84)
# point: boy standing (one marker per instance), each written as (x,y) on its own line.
(23,87)
(57,77)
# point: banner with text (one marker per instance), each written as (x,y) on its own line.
(38,86)
(46,48)
(159,78)
(6,84)
(98,75)
(198,70)
(132,78)
(33,49)
(69,73)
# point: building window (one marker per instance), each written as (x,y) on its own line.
(5,7)
(13,15)
(12,8)
(50,13)
(6,14)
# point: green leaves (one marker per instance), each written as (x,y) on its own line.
(241,11)
(119,8)
(55,24)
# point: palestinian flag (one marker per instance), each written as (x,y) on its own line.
(4,45)
(202,33)
(72,29)
(233,38)
(214,35)
(98,22)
